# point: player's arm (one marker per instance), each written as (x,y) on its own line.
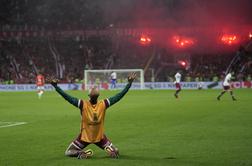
(72,100)
(112,100)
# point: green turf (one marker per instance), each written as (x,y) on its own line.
(149,128)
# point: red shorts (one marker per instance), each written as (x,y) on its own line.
(178,87)
(226,87)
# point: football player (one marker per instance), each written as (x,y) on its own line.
(177,84)
(92,121)
(40,82)
(113,77)
(227,87)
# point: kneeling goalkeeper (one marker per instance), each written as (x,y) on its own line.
(92,121)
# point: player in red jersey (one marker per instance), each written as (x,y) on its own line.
(40,82)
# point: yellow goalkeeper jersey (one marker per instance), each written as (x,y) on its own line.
(92,124)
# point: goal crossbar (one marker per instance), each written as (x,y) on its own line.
(117,71)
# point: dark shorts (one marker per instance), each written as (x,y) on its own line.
(177,85)
(82,144)
(226,87)
(113,81)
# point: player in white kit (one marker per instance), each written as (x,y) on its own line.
(177,84)
(227,86)
(113,78)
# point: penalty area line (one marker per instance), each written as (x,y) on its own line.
(11,124)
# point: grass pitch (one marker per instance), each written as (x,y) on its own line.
(149,127)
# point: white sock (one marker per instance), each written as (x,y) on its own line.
(40,94)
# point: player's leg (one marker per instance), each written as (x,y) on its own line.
(113,83)
(111,86)
(75,149)
(178,89)
(225,89)
(222,93)
(106,145)
(39,91)
(232,94)
(176,93)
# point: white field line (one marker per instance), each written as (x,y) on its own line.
(11,124)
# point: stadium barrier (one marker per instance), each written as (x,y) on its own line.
(148,85)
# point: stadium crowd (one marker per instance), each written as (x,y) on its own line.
(22,58)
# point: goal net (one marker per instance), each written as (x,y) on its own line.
(102,78)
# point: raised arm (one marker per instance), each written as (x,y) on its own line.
(72,100)
(119,96)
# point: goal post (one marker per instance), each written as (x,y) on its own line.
(101,78)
